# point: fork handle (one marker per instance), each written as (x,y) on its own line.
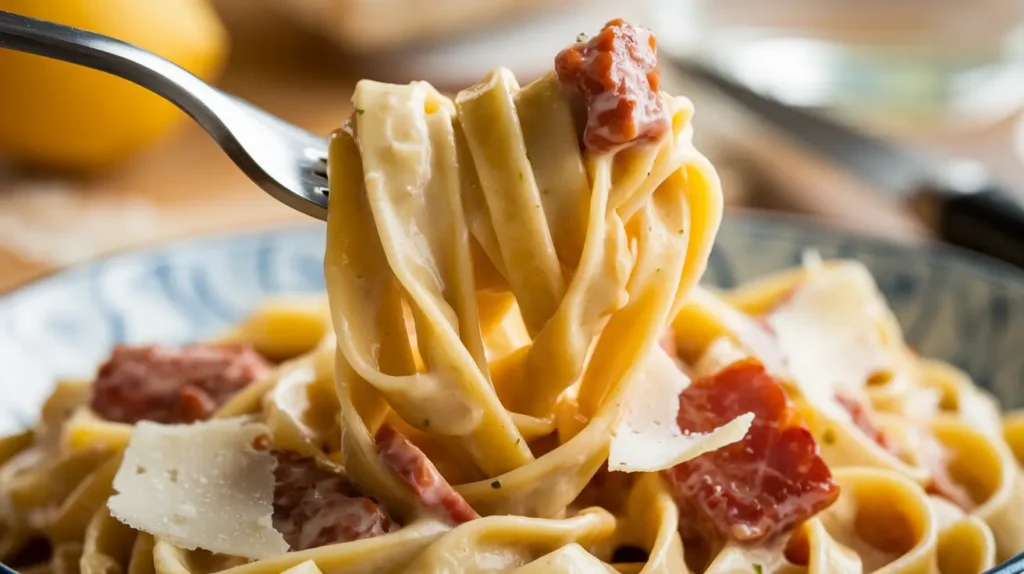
(168,80)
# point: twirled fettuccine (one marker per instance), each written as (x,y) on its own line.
(389,248)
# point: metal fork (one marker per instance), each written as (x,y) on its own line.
(288,162)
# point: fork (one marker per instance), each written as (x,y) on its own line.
(286,161)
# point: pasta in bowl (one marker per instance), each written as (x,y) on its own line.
(516,371)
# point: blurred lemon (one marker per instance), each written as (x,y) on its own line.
(66,116)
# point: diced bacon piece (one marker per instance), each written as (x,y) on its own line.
(315,507)
(172,384)
(616,74)
(936,459)
(761,487)
(407,461)
(942,484)
(863,419)
(932,451)
(195,404)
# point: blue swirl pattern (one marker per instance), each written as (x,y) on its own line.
(963,309)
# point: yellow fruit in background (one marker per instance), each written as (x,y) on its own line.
(60,115)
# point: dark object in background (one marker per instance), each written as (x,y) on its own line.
(957,198)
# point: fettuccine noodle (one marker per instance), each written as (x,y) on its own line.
(515,371)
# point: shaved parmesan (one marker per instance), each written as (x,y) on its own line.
(721,353)
(750,335)
(980,410)
(307,567)
(200,486)
(831,334)
(648,438)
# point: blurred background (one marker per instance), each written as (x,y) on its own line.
(90,164)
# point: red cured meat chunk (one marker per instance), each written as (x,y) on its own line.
(407,461)
(616,75)
(760,488)
(941,483)
(172,384)
(863,419)
(314,507)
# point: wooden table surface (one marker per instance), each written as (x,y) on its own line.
(185,186)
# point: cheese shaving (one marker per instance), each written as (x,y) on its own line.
(749,334)
(980,410)
(648,439)
(830,332)
(721,353)
(200,486)
(307,567)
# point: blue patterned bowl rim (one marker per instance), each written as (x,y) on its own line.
(938,254)
(953,304)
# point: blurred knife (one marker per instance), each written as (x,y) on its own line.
(956,197)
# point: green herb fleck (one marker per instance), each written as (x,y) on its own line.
(581,37)
(681,231)
(758,569)
(659,270)
(520,176)
(519,440)
(360,111)
(496,484)
(829,437)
